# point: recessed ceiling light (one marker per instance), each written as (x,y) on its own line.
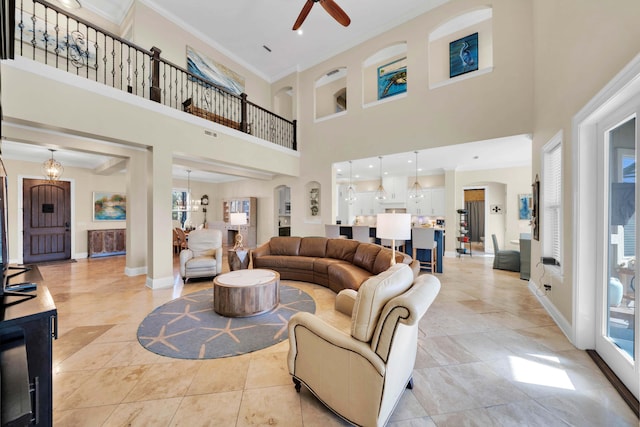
(300,32)
(370,166)
(476,157)
(70,4)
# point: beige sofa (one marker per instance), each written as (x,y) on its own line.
(335,263)
(362,375)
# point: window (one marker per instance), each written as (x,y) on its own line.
(552,199)
(178,211)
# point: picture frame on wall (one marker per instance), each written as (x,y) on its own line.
(525,202)
(392,78)
(463,55)
(109,206)
(535,208)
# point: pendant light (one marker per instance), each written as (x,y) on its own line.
(415,192)
(381,194)
(52,168)
(351,192)
(192,205)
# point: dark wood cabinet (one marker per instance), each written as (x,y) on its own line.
(27,328)
(107,242)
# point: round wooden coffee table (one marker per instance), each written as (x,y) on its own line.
(243,293)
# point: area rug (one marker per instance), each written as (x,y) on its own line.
(188,328)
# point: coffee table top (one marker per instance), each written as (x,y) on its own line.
(242,278)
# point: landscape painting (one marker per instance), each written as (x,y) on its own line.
(109,206)
(208,69)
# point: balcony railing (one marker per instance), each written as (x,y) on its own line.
(50,35)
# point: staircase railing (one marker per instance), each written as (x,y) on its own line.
(50,35)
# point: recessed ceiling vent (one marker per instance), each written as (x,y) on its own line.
(331,73)
(210,133)
(266,48)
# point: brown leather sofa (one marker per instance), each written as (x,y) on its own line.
(335,263)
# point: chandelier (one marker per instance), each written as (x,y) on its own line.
(51,168)
(381,194)
(415,192)
(351,192)
(189,205)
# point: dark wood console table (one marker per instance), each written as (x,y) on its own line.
(27,328)
(106,242)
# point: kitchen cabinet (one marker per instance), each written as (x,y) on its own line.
(365,204)
(396,188)
(430,204)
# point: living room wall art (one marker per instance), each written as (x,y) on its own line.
(109,206)
(210,70)
(74,45)
(463,55)
(525,202)
(392,78)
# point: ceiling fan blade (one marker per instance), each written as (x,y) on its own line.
(334,10)
(303,14)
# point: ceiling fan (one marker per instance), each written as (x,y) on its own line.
(330,6)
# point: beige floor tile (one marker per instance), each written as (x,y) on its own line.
(213,410)
(142,414)
(85,417)
(270,406)
(268,369)
(220,375)
(163,381)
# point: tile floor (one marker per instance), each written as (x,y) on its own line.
(489,355)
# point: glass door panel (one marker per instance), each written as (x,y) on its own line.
(621,295)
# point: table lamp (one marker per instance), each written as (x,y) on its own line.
(394,226)
(238,218)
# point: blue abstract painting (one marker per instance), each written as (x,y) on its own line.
(208,69)
(524,206)
(463,55)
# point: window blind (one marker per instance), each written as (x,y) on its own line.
(552,202)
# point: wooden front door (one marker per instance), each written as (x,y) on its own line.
(47,220)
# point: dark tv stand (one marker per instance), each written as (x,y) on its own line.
(30,326)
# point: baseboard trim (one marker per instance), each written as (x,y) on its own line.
(557,317)
(163,283)
(137,271)
(622,390)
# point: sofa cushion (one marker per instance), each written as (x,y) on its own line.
(383,260)
(285,246)
(343,249)
(373,294)
(313,247)
(365,255)
(279,262)
(346,276)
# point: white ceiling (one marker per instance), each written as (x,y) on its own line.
(240,28)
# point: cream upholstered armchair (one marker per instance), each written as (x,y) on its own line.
(362,376)
(203,256)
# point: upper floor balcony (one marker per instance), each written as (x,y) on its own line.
(50,35)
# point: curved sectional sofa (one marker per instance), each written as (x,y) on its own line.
(335,263)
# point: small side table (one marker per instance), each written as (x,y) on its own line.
(238,259)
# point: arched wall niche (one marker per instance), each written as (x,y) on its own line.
(326,88)
(384,73)
(314,210)
(479,21)
(283,102)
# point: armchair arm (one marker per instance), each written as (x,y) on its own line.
(185,255)
(218,257)
(345,300)
(328,336)
(261,250)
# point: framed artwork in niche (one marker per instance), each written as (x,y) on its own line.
(463,55)
(392,78)
(109,206)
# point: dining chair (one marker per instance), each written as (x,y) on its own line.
(182,238)
(361,233)
(425,238)
(505,259)
(333,231)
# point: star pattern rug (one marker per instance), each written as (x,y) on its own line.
(188,328)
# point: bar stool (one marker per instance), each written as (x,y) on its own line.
(424,238)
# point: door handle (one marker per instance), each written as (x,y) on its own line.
(67,225)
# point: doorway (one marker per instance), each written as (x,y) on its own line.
(46,220)
(474,203)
